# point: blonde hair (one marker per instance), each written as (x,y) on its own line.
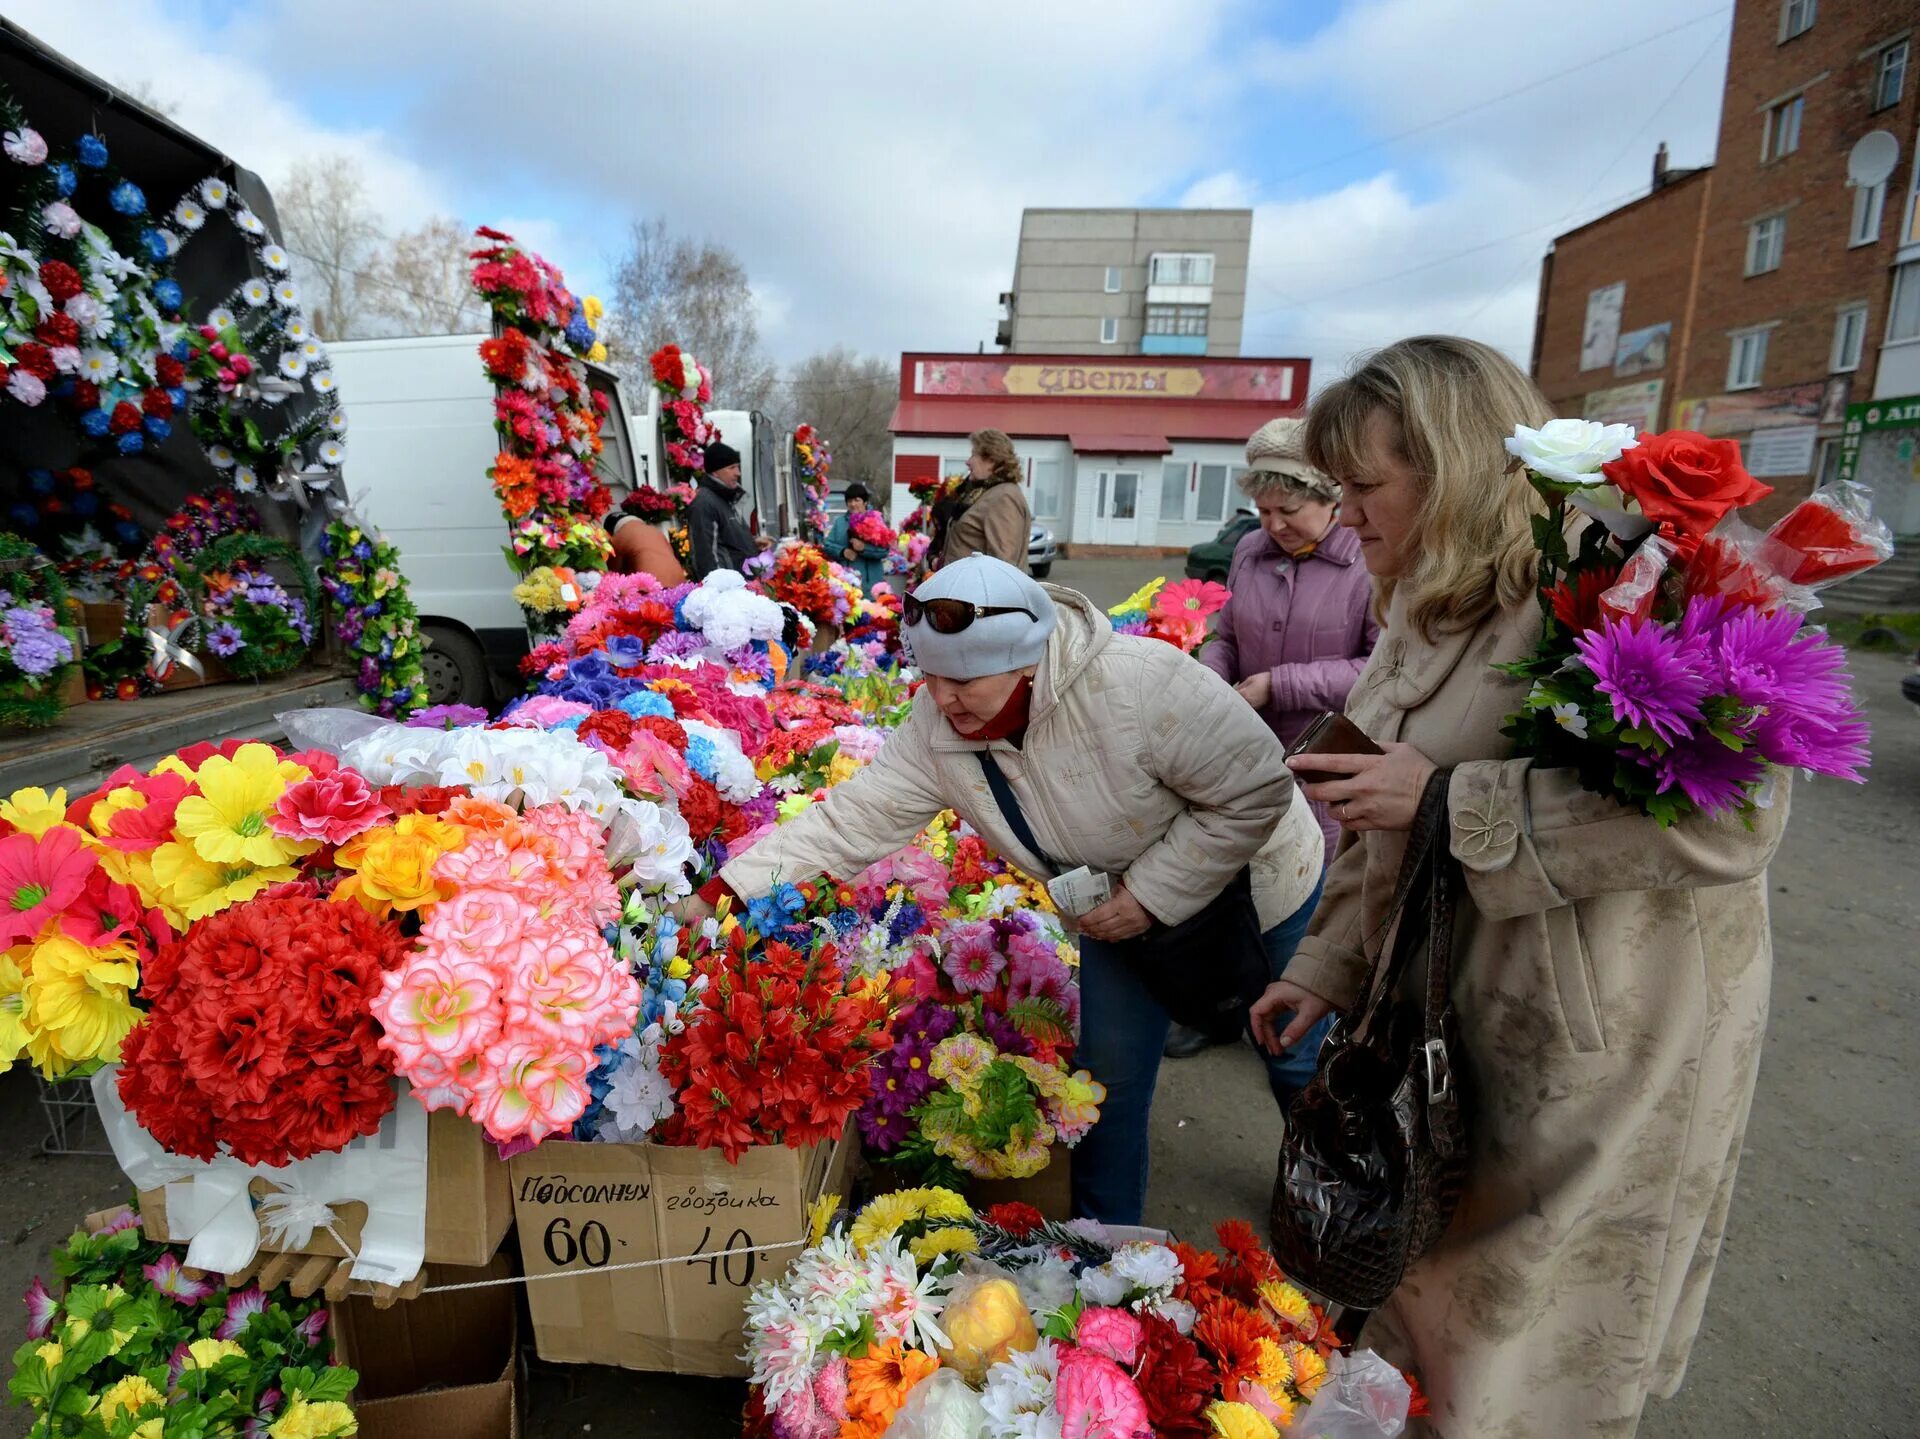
(1453,403)
(995,447)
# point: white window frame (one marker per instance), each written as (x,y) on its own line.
(1869,210)
(1905,278)
(1110,330)
(1849,338)
(1781,133)
(1774,226)
(1047,499)
(1190,267)
(1826,462)
(1805,11)
(1904,49)
(1201,478)
(1113,280)
(1751,346)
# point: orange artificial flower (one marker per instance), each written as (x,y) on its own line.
(1197,1269)
(481,815)
(518,486)
(1230,1334)
(879,1384)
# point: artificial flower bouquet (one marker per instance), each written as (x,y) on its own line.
(871,528)
(814,462)
(38,644)
(374,617)
(248,619)
(668,506)
(686,389)
(1177,613)
(528,295)
(921,1318)
(1675,666)
(133,1347)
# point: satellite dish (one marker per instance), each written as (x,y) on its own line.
(1873,159)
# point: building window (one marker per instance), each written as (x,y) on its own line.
(1046,489)
(1748,361)
(1173,491)
(1827,466)
(1869,203)
(1210,507)
(1903,318)
(1782,135)
(1110,331)
(1182,270)
(1113,279)
(1766,240)
(1177,320)
(1796,18)
(1849,338)
(1891,78)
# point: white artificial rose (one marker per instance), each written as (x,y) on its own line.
(1571,451)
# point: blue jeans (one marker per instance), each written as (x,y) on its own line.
(1287,1074)
(1122,1031)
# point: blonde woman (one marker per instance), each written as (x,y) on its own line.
(1610,976)
(988,514)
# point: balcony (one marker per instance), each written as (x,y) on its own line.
(1173,344)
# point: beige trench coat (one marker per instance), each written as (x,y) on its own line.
(1138,761)
(998,524)
(1611,980)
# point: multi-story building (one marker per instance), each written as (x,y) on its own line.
(1128,282)
(1773,297)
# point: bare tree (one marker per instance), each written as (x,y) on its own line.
(670,289)
(147,94)
(329,231)
(849,398)
(421,281)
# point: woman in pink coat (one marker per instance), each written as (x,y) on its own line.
(1292,640)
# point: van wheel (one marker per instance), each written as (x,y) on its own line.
(456,668)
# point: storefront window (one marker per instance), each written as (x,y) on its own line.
(1212,507)
(1173,491)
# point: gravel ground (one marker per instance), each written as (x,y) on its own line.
(1810,1328)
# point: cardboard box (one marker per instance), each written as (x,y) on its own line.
(469,1204)
(442,1365)
(104,622)
(584,1208)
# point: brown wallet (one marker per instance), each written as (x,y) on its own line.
(1330,734)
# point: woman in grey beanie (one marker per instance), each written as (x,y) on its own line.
(1121,754)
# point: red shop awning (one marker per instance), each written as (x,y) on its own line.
(1098,427)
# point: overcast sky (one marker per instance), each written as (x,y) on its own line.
(869,161)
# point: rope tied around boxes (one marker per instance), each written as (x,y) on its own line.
(616,1268)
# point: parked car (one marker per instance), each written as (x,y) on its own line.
(1041,552)
(1211,559)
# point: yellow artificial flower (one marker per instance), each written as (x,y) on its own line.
(393,863)
(593,310)
(1239,1421)
(131,1394)
(227,820)
(1081,1099)
(842,768)
(78,1004)
(1309,1369)
(930,1246)
(13,1009)
(50,1354)
(986,1326)
(34,811)
(1140,598)
(193,888)
(882,1218)
(819,1215)
(154,1428)
(793,806)
(205,1353)
(303,1420)
(1287,1302)
(598,354)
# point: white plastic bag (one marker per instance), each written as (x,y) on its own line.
(941,1406)
(331,730)
(1363,1397)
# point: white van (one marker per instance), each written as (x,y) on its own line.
(766,471)
(418,450)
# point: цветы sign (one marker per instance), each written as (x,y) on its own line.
(1274,382)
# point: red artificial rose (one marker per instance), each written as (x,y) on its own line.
(426,799)
(58,330)
(1017,1219)
(612,728)
(61,279)
(1685,482)
(126,418)
(170,372)
(36,360)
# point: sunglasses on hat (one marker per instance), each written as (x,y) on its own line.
(949,617)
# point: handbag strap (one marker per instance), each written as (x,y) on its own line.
(1423,865)
(1010,810)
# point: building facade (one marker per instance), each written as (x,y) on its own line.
(1128,282)
(1770,296)
(1128,452)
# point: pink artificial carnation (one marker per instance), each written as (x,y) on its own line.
(653,766)
(858,742)
(544,712)
(1096,1399)
(532,1087)
(316,762)
(330,808)
(1112,1332)
(439,1003)
(476,923)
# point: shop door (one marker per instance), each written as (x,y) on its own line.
(1116,514)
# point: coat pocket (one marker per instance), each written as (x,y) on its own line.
(1573,979)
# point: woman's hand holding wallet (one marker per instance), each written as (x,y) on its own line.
(1366,785)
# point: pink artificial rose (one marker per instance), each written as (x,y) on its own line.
(440,1004)
(330,808)
(1096,1399)
(477,923)
(242,366)
(317,762)
(1112,1332)
(530,1087)
(565,988)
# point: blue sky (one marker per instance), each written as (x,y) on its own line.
(869,161)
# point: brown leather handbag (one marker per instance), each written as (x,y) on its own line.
(1375,1152)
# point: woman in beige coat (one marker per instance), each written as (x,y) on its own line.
(1611,976)
(987,514)
(1124,755)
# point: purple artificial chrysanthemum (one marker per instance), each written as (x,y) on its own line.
(34,642)
(225,639)
(1835,746)
(1713,777)
(676,645)
(1769,659)
(1653,677)
(1005,1036)
(883,1133)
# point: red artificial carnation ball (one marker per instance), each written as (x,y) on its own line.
(58,330)
(158,404)
(126,418)
(36,360)
(61,279)
(170,372)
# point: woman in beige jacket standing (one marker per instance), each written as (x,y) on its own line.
(1610,976)
(987,514)
(1124,755)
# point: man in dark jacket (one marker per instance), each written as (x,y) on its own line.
(718,537)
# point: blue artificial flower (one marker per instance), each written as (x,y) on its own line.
(701,757)
(41,480)
(580,333)
(154,242)
(178,394)
(363,550)
(910,920)
(96,423)
(182,351)
(127,532)
(64,180)
(626,651)
(642,703)
(168,295)
(126,199)
(132,444)
(774,913)
(158,428)
(403,696)
(91,151)
(570,723)
(590,669)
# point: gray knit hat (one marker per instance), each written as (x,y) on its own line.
(992,644)
(1275,456)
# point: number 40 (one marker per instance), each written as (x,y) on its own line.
(717,1265)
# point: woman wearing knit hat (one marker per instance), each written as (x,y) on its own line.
(1067,745)
(1292,640)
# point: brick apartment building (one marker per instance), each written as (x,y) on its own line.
(1773,296)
